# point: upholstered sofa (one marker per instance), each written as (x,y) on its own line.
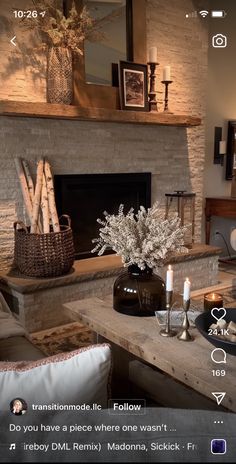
(18,348)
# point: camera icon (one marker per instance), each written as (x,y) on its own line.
(219,41)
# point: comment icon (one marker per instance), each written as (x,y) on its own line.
(218,356)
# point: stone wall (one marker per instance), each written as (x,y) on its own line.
(175,156)
(22,67)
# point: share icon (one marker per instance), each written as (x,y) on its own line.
(219,396)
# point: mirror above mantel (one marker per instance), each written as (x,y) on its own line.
(105,96)
(113,44)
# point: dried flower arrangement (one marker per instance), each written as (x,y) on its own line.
(57,30)
(143,239)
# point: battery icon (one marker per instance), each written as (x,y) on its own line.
(218,14)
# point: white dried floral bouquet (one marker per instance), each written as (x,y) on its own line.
(144,239)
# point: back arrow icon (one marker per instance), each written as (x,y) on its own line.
(12,40)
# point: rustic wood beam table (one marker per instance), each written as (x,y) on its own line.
(187,362)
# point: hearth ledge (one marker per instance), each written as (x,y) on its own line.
(91,269)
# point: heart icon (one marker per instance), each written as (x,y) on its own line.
(216,313)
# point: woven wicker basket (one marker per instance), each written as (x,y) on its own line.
(43,255)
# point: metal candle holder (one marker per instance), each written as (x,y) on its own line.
(166,108)
(184,334)
(152,92)
(168,332)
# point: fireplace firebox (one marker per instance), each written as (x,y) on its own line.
(84,197)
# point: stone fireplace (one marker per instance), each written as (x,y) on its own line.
(173,156)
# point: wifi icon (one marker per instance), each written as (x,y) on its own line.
(204,13)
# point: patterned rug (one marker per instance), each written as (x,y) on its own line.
(63,338)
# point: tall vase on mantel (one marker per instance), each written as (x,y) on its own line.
(59,75)
(139,292)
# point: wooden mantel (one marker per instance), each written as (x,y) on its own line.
(56,111)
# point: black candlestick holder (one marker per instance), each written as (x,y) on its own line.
(166,108)
(152,92)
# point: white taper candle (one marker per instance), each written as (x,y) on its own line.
(169,279)
(187,287)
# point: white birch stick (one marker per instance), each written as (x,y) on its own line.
(29,180)
(24,188)
(51,197)
(31,190)
(37,197)
(44,207)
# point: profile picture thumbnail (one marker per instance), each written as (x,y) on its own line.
(18,406)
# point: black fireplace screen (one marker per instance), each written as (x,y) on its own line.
(84,197)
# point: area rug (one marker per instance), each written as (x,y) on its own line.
(63,338)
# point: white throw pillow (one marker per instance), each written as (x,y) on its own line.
(77,377)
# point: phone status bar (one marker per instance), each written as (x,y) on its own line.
(215,14)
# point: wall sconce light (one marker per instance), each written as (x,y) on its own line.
(222,147)
(219,147)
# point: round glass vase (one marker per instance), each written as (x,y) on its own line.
(139,292)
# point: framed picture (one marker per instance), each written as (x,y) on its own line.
(133,86)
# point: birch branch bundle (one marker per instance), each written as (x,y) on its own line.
(40,199)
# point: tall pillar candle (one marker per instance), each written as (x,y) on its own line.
(166,73)
(152,55)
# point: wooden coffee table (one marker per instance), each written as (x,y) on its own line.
(187,362)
